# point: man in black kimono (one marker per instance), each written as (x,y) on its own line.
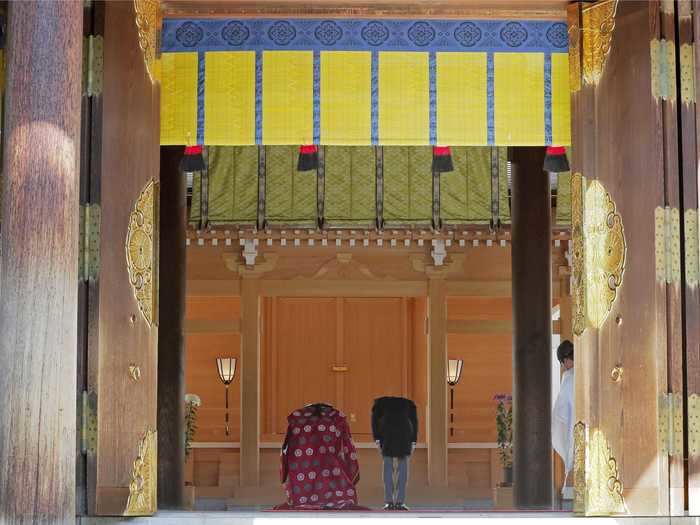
(395,430)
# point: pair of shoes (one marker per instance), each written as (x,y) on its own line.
(389,506)
(400,506)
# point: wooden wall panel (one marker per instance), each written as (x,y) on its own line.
(202,378)
(213,308)
(303,342)
(487,371)
(375,351)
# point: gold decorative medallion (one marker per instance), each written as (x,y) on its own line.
(603,486)
(687,58)
(694,425)
(147,24)
(579,467)
(604,253)
(140,250)
(578,184)
(598,27)
(144,482)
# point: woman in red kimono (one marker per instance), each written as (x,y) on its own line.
(319,461)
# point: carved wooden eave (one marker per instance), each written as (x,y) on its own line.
(483,9)
(452,267)
(395,239)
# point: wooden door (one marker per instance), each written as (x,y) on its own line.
(375,348)
(123,316)
(304,334)
(626,284)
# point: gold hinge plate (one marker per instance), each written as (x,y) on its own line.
(671,424)
(93,60)
(668,245)
(694,425)
(663,69)
(89,419)
(89,264)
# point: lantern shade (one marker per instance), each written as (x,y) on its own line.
(454,371)
(227,369)
(555,160)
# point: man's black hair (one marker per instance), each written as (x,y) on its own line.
(565,350)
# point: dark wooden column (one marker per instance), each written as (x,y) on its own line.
(532,330)
(39,265)
(171,331)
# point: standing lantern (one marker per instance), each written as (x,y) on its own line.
(454,373)
(227,371)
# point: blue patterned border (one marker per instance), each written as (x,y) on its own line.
(375,99)
(363,35)
(547,98)
(258,96)
(432,71)
(201,62)
(490,118)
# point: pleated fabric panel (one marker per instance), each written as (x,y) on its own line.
(350,185)
(290,195)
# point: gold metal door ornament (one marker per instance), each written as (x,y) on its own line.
(578,186)
(694,425)
(603,486)
(140,251)
(144,482)
(598,27)
(148,26)
(605,251)
(579,467)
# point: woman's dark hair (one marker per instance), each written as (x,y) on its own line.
(565,350)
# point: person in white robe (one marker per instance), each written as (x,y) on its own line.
(563,414)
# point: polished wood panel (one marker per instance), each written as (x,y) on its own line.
(626,412)
(120,337)
(38,269)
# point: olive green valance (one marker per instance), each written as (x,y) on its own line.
(355,186)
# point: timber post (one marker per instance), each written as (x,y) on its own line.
(532,330)
(437,383)
(171,333)
(250,383)
(39,267)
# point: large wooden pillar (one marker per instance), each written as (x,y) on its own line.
(171,331)
(39,265)
(532,330)
(436,426)
(250,383)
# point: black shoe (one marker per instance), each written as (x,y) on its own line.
(389,506)
(400,506)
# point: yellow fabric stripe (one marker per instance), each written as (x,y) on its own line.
(288,79)
(229,98)
(178,99)
(461,99)
(519,99)
(404,98)
(561,108)
(346,97)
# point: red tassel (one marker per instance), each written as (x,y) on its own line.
(308,157)
(555,160)
(192,160)
(442,159)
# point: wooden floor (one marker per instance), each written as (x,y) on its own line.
(440,517)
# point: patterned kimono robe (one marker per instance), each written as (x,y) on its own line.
(319,461)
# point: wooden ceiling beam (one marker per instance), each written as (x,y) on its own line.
(445,9)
